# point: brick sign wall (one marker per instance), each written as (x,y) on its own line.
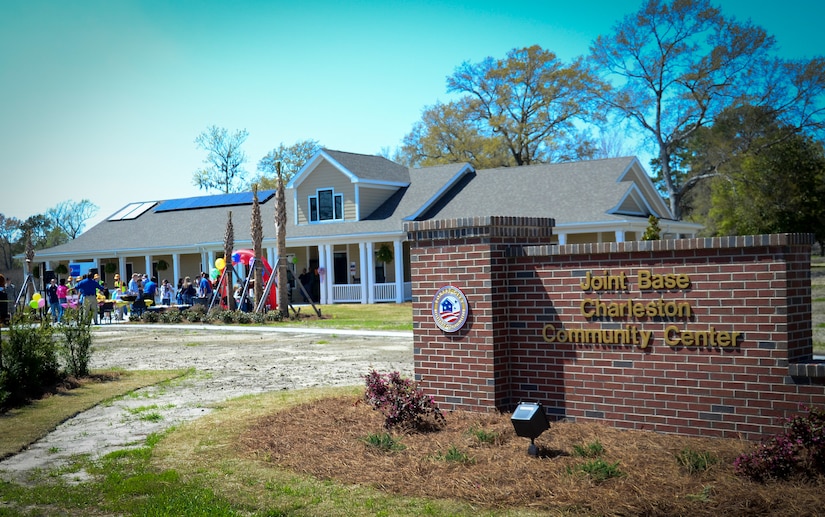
(706,337)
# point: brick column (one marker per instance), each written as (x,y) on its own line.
(467,369)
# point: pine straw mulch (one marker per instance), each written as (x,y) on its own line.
(326,439)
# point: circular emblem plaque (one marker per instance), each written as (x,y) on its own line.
(450,308)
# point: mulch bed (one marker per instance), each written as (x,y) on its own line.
(326,439)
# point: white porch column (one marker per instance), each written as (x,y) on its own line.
(562,239)
(619,235)
(322,264)
(121,269)
(329,278)
(371,271)
(398,260)
(366,284)
(148,263)
(175,269)
(210,261)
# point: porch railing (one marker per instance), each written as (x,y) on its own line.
(346,293)
(351,293)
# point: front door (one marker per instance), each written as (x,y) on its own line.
(341,269)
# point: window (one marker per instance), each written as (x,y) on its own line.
(326,205)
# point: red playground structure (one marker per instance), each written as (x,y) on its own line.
(246,257)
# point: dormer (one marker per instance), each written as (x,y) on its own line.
(335,186)
(641,197)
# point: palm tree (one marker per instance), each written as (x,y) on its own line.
(229,270)
(280,228)
(257,238)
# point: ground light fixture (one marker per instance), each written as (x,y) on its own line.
(529,420)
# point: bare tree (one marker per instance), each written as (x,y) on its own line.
(71,217)
(677,65)
(9,234)
(224,162)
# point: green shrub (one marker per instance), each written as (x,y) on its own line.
(218,315)
(223,316)
(171,316)
(455,455)
(591,450)
(195,313)
(77,342)
(28,358)
(242,317)
(150,317)
(484,436)
(599,470)
(695,461)
(384,442)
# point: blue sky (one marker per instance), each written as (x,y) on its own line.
(103,99)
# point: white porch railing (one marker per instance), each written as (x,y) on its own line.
(351,293)
(383,292)
(346,293)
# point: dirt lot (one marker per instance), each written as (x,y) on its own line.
(228,362)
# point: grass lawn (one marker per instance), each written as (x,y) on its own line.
(379,316)
(20,427)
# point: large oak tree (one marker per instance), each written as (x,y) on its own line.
(517,110)
(769,178)
(291,159)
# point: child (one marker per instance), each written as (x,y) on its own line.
(166,293)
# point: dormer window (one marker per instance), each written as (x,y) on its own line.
(326,205)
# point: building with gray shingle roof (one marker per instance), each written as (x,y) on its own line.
(344,207)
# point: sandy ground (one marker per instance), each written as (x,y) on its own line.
(229,362)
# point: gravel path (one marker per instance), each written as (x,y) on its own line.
(228,361)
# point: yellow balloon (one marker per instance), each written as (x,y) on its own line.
(220,263)
(36,296)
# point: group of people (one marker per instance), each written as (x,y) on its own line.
(90,291)
(131,297)
(311,282)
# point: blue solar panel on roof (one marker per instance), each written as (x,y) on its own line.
(189,203)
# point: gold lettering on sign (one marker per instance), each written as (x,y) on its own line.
(596,308)
(648,280)
(632,335)
(604,282)
(700,338)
